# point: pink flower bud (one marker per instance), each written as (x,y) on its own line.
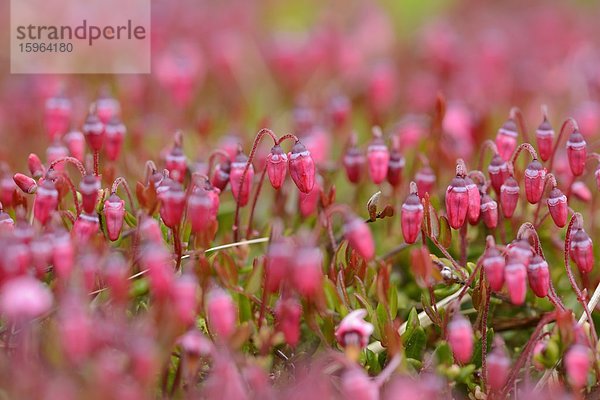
(506,139)
(114,132)
(534,181)
(581,191)
(241,194)
(474,201)
(354,162)
(75,142)
(63,256)
(538,275)
(279,258)
(578,363)
(6,222)
(493,265)
(498,368)
(287,316)
(509,196)
(176,164)
(411,218)
(357,385)
(7,189)
(339,110)
(359,237)
(558,207)
(46,201)
(157,261)
(460,338)
(489,212)
(55,152)
(520,251)
(35,166)
(581,251)
(308,202)
(378,157)
(24,298)
(93,129)
(85,227)
(116,276)
(220,177)
(515,276)
(57,116)
(172,203)
(107,108)
(395,168)
(25,183)
(307,270)
(150,230)
(185,299)
(277,166)
(354,330)
(544,136)
(498,171)
(114,214)
(457,202)
(425,179)
(89,187)
(576,152)
(75,329)
(221,312)
(302,168)
(202,207)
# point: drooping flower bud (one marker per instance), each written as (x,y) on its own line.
(474,201)
(354,330)
(287,319)
(538,275)
(489,212)
(56,151)
(57,116)
(89,187)
(93,129)
(460,338)
(534,181)
(359,237)
(498,171)
(457,202)
(176,163)
(185,299)
(220,177)
(201,209)
(509,196)
(515,276)
(395,168)
(241,193)
(302,167)
(357,385)
(354,163)
(558,207)
(308,202)
(581,251)
(277,166)
(63,256)
(35,166)
(581,191)
(116,276)
(277,265)
(75,142)
(544,137)
(172,203)
(25,183)
(157,260)
(493,265)
(425,179)
(114,132)
(107,108)
(307,270)
(506,139)
(221,312)
(411,217)
(498,368)
(150,230)
(578,363)
(46,201)
(85,226)
(520,251)
(114,214)
(378,157)
(576,152)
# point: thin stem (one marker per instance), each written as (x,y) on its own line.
(257,140)
(73,192)
(455,265)
(121,181)
(517,115)
(469,281)
(569,122)
(211,159)
(484,319)
(71,160)
(287,136)
(96,162)
(255,200)
(549,178)
(463,244)
(523,146)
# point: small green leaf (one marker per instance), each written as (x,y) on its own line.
(130,219)
(443,354)
(245,308)
(393,301)
(445,236)
(255,278)
(415,345)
